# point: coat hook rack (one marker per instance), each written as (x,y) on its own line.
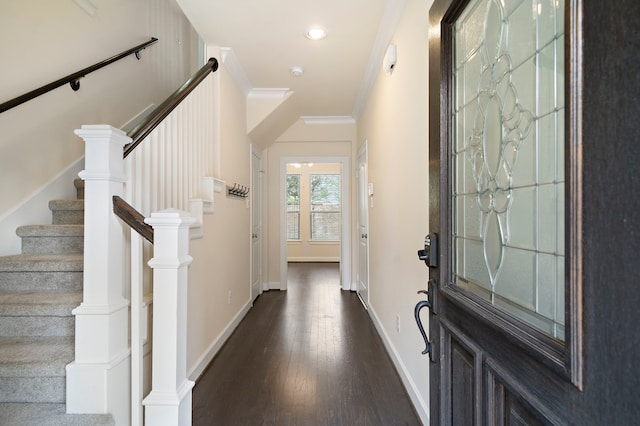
(237,191)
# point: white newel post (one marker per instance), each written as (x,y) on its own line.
(169,402)
(98,379)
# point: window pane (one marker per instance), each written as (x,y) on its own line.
(293,207)
(508,169)
(325,207)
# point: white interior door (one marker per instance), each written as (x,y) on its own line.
(256,223)
(363,227)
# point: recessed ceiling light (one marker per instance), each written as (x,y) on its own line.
(316,33)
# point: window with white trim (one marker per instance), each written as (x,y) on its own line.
(293,207)
(325,207)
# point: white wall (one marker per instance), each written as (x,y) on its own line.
(42,41)
(221,259)
(395,124)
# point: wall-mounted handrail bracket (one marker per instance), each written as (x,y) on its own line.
(138,53)
(75,84)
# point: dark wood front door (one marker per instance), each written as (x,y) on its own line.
(533,208)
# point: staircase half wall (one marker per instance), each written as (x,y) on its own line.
(33,209)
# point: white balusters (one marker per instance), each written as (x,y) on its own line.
(160,178)
(137,331)
(167,167)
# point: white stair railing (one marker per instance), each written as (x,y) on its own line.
(166,169)
(167,174)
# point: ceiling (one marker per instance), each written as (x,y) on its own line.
(267,38)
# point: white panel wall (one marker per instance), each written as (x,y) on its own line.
(166,169)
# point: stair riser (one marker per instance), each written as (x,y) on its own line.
(79,184)
(52,245)
(68,217)
(36,281)
(28,370)
(37,326)
(32,389)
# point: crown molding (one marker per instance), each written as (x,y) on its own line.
(235,69)
(327,119)
(269,93)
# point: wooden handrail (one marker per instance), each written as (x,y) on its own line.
(132,217)
(142,130)
(74,79)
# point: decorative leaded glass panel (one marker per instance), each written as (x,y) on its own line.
(508,158)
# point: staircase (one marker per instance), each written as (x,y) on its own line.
(38,290)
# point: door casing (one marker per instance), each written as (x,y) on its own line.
(256,223)
(345,240)
(362,277)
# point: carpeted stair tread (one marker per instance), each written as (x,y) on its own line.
(50,303)
(42,263)
(48,415)
(35,356)
(50,231)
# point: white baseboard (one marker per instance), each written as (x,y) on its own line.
(196,371)
(421,407)
(273,286)
(313,259)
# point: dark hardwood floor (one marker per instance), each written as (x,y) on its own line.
(306,356)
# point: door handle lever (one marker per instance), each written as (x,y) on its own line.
(416,312)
